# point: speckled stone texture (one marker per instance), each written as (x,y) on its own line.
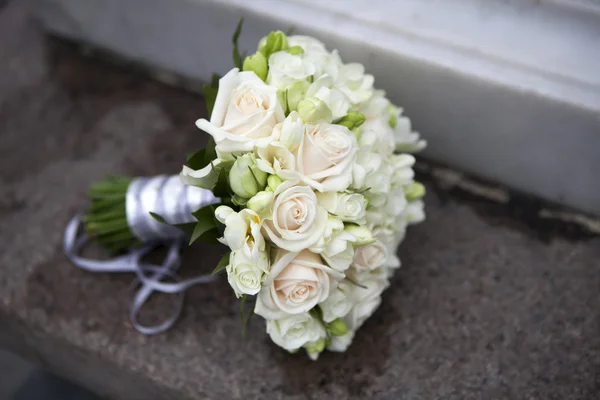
(481,309)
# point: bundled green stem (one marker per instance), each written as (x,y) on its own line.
(106,219)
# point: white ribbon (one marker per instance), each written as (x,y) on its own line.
(172,200)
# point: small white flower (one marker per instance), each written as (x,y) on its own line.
(366,299)
(297,282)
(309,44)
(339,250)
(406,139)
(354,83)
(377,135)
(341,343)
(241,229)
(294,331)
(286,69)
(324,90)
(349,207)
(338,304)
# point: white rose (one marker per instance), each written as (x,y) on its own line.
(294,331)
(366,299)
(286,69)
(341,343)
(241,229)
(325,157)
(354,83)
(336,101)
(245,112)
(369,260)
(245,272)
(338,304)
(349,207)
(297,282)
(297,221)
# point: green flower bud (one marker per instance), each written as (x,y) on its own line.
(276,41)
(295,51)
(273,181)
(314,110)
(414,191)
(261,202)
(352,120)
(245,178)
(337,327)
(295,93)
(392,111)
(257,62)
(362,234)
(315,347)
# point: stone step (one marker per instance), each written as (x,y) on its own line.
(492,301)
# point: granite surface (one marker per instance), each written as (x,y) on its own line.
(482,308)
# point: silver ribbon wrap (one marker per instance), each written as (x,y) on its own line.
(175,202)
(167,197)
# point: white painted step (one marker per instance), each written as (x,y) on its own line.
(508,90)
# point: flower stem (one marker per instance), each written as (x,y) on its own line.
(106,219)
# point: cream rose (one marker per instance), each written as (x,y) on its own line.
(294,331)
(325,157)
(369,260)
(297,221)
(297,282)
(245,112)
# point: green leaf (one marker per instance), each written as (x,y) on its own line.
(206,222)
(196,160)
(223,263)
(210,96)
(159,218)
(202,158)
(188,228)
(237,58)
(221,188)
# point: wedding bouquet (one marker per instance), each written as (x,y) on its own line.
(307,179)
